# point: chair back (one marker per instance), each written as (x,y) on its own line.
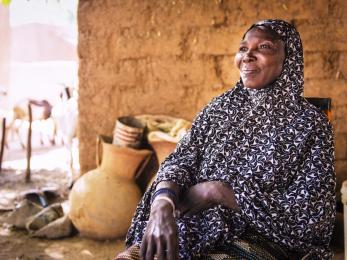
(324,104)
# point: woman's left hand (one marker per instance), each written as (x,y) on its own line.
(206,195)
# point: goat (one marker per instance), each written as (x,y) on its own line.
(65,115)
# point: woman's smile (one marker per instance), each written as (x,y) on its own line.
(248,72)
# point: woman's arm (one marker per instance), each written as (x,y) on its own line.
(206,195)
(181,165)
(176,173)
(160,237)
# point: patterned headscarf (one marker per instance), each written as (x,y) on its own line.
(277,155)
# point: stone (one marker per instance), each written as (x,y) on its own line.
(59,228)
(22,213)
(44,217)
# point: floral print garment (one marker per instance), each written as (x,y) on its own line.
(276,153)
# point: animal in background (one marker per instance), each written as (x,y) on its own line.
(65,116)
(41,110)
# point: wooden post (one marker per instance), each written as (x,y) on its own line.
(3,140)
(27,175)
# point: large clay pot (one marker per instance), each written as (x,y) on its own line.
(103,201)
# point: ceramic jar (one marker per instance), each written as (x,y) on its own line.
(103,201)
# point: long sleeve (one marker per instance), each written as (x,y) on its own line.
(182,165)
(301,216)
(179,167)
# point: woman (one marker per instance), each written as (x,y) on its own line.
(256,166)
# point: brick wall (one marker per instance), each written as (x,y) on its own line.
(172,57)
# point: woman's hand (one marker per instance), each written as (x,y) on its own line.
(206,195)
(161,236)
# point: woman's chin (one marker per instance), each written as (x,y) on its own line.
(249,82)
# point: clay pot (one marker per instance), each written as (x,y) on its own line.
(162,144)
(164,132)
(103,201)
(128,132)
(162,148)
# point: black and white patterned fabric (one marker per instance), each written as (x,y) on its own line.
(275,151)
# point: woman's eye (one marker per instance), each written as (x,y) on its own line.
(242,49)
(265,46)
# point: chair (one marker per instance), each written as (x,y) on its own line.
(324,104)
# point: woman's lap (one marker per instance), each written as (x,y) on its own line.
(250,246)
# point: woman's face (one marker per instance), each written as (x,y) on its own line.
(259,59)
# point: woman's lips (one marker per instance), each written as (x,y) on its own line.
(249,72)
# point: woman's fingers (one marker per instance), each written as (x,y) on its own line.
(171,247)
(160,249)
(162,244)
(143,247)
(160,235)
(150,250)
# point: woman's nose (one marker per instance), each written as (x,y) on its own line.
(249,56)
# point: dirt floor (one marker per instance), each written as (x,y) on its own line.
(49,169)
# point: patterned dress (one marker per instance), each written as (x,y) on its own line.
(276,152)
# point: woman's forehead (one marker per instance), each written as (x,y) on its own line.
(261,35)
(262,32)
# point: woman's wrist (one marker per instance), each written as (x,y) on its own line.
(161,206)
(166,194)
(165,197)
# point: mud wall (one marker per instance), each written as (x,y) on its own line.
(172,57)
